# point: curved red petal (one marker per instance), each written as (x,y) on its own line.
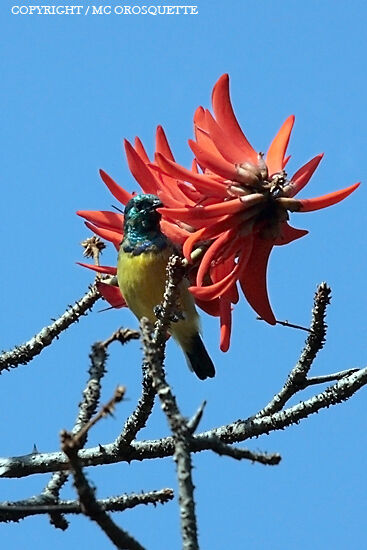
(253,280)
(106,269)
(199,119)
(107,234)
(139,148)
(207,233)
(303,175)
(162,145)
(215,163)
(217,289)
(190,193)
(227,120)
(201,182)
(225,322)
(219,271)
(228,150)
(173,232)
(139,170)
(213,250)
(211,308)
(278,147)
(111,294)
(205,142)
(289,234)
(118,192)
(103,218)
(309,205)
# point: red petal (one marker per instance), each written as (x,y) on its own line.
(207,233)
(205,143)
(278,147)
(289,234)
(192,195)
(222,286)
(173,232)
(200,182)
(213,250)
(220,209)
(104,218)
(219,271)
(139,170)
(211,308)
(112,294)
(215,163)
(227,120)
(218,289)
(107,234)
(228,150)
(253,280)
(225,323)
(139,148)
(303,175)
(100,268)
(161,144)
(199,119)
(308,205)
(118,192)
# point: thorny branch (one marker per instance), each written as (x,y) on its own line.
(23,354)
(274,416)
(15,511)
(88,502)
(153,345)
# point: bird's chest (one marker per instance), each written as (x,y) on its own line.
(141,280)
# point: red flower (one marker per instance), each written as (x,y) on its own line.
(235,209)
(243,208)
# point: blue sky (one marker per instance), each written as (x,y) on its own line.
(72,88)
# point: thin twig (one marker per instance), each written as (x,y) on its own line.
(106,410)
(15,511)
(314,343)
(223,449)
(87,408)
(139,417)
(24,353)
(194,421)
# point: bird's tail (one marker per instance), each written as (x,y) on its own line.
(198,358)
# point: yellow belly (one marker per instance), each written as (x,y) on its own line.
(142,280)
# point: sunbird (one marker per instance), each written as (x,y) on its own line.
(141,274)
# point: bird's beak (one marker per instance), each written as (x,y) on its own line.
(157,203)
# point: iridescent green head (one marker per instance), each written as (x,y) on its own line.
(141,214)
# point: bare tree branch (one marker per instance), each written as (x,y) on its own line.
(181,436)
(241,430)
(223,449)
(139,417)
(23,354)
(15,511)
(314,343)
(88,502)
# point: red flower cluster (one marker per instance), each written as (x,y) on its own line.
(233,204)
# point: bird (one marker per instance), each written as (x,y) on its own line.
(141,275)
